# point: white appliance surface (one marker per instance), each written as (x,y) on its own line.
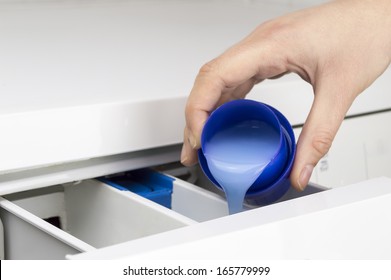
(87,79)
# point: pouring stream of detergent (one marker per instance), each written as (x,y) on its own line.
(238,155)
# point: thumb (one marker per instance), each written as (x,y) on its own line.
(328,110)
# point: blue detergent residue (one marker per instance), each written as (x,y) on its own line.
(238,155)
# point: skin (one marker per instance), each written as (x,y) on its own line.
(340,48)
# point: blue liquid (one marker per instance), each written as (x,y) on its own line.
(238,155)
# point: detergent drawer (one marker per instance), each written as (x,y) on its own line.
(68,219)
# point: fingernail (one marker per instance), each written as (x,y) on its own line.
(305,176)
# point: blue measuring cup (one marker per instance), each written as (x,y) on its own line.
(256,132)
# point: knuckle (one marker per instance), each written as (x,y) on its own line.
(207,68)
(321,143)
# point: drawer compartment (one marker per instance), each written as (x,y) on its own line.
(180,196)
(67,219)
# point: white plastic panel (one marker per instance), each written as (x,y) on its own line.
(378,153)
(360,151)
(197,203)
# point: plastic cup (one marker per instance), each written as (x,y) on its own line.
(273,182)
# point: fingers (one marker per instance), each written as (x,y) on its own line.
(230,76)
(332,101)
(188,154)
(203,98)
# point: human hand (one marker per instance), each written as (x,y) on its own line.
(340,48)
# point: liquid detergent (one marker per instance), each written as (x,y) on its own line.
(236,156)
